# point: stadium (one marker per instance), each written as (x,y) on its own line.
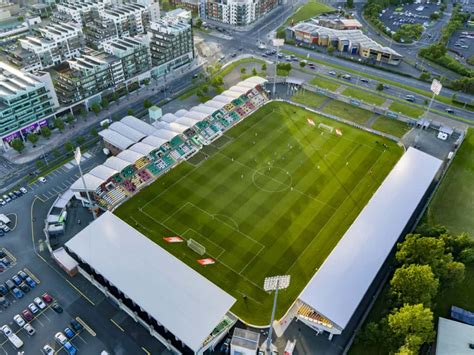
(239,189)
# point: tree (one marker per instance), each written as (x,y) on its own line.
(39,164)
(80,140)
(59,124)
(115,96)
(45,132)
(70,119)
(302,64)
(264,66)
(199,93)
(33,138)
(243,70)
(56,153)
(453,273)
(198,23)
(349,4)
(147,104)
(104,103)
(331,49)
(379,87)
(254,71)
(412,326)
(83,114)
(69,146)
(130,112)
(414,284)
(94,132)
(95,107)
(205,89)
(18,145)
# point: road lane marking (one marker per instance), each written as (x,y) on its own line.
(146,351)
(86,326)
(117,325)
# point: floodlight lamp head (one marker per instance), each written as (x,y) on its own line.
(272,283)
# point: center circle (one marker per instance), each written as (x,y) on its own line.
(272,179)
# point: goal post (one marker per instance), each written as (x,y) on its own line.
(325,127)
(196,247)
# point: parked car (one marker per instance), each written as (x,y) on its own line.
(3,289)
(5,261)
(47,298)
(23,190)
(17,293)
(19,320)
(333,73)
(225,347)
(2,232)
(10,284)
(71,350)
(22,274)
(32,307)
(29,329)
(69,333)
(30,282)
(76,325)
(4,302)
(16,341)
(27,315)
(6,330)
(57,308)
(25,288)
(12,195)
(47,350)
(60,338)
(42,179)
(17,193)
(17,280)
(39,302)
(2,202)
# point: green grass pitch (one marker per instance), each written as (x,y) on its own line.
(273,196)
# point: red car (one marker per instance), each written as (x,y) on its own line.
(27,315)
(47,298)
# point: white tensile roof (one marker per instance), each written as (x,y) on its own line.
(341,282)
(138,125)
(216,105)
(223,98)
(103,172)
(454,337)
(116,163)
(130,156)
(165,134)
(155,141)
(168,117)
(142,148)
(181,112)
(188,122)
(127,131)
(231,93)
(183,301)
(116,139)
(92,183)
(255,80)
(197,115)
(204,109)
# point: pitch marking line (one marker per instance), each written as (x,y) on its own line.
(251,260)
(209,240)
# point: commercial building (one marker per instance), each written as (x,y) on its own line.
(86,76)
(454,337)
(337,22)
(332,297)
(355,42)
(236,12)
(171,44)
(181,308)
(54,44)
(25,100)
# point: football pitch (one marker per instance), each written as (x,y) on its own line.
(272,196)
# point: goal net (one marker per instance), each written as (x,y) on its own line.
(196,247)
(325,127)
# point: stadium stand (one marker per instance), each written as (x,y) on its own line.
(143,152)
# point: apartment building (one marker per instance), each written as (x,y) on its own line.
(52,45)
(81,10)
(171,44)
(25,101)
(236,12)
(128,20)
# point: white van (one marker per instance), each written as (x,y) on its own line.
(17,342)
(106,122)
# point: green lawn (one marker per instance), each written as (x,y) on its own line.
(347,111)
(309,98)
(325,84)
(388,125)
(407,110)
(311,9)
(364,96)
(229,68)
(273,200)
(453,203)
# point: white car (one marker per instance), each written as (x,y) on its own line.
(443,136)
(6,330)
(48,350)
(60,338)
(39,303)
(42,179)
(29,329)
(19,320)
(33,308)
(23,190)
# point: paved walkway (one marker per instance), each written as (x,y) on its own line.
(371,120)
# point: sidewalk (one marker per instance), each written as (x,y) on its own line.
(83,126)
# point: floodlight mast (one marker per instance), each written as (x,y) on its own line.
(274,283)
(277,42)
(77,157)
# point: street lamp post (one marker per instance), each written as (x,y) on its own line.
(77,157)
(277,42)
(274,283)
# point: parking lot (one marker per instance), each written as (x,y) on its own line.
(395,16)
(462,43)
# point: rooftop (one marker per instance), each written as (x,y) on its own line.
(454,337)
